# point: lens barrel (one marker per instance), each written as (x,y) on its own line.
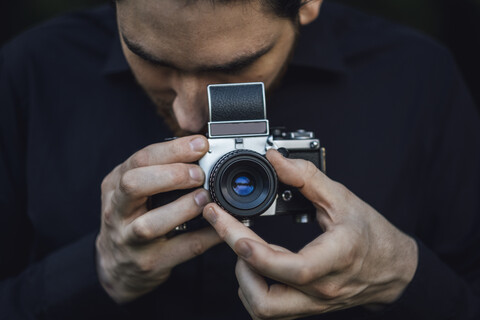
(244,183)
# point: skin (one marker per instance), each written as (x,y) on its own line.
(174,51)
(360,259)
(197,39)
(134,256)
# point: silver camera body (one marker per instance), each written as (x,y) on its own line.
(221,146)
(238,176)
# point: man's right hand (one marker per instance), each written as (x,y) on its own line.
(133,254)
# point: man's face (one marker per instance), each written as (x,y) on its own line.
(175,50)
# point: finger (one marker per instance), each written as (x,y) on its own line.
(278,248)
(311,182)
(250,280)
(162,220)
(280,265)
(246,304)
(228,227)
(185,149)
(184,247)
(296,269)
(249,308)
(137,184)
(275,301)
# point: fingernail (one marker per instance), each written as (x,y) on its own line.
(196,173)
(244,250)
(201,198)
(211,215)
(197,144)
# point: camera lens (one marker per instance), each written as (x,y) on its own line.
(244,183)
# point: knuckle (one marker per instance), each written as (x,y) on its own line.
(107,215)
(108,180)
(261,310)
(145,264)
(140,159)
(179,175)
(329,291)
(142,231)
(349,256)
(197,247)
(311,172)
(310,169)
(304,276)
(128,183)
(121,239)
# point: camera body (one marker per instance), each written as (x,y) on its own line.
(238,176)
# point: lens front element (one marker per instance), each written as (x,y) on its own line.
(244,183)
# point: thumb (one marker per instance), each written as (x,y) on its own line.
(305,176)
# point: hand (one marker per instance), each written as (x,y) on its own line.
(360,259)
(133,254)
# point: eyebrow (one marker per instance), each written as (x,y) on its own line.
(230,67)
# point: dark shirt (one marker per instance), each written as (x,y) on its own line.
(400,129)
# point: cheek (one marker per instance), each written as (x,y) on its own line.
(267,69)
(267,74)
(154,80)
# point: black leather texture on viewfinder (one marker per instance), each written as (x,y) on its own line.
(237,102)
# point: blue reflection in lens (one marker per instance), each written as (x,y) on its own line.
(243,186)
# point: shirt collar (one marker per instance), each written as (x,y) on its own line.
(316,48)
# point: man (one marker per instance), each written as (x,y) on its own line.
(402,135)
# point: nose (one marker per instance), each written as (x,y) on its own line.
(190,104)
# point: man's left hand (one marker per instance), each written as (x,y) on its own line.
(360,259)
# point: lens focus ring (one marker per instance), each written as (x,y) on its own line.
(243,183)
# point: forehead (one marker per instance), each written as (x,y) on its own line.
(200,31)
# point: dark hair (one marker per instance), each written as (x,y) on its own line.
(285,8)
(282,8)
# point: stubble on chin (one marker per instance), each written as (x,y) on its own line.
(165,111)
